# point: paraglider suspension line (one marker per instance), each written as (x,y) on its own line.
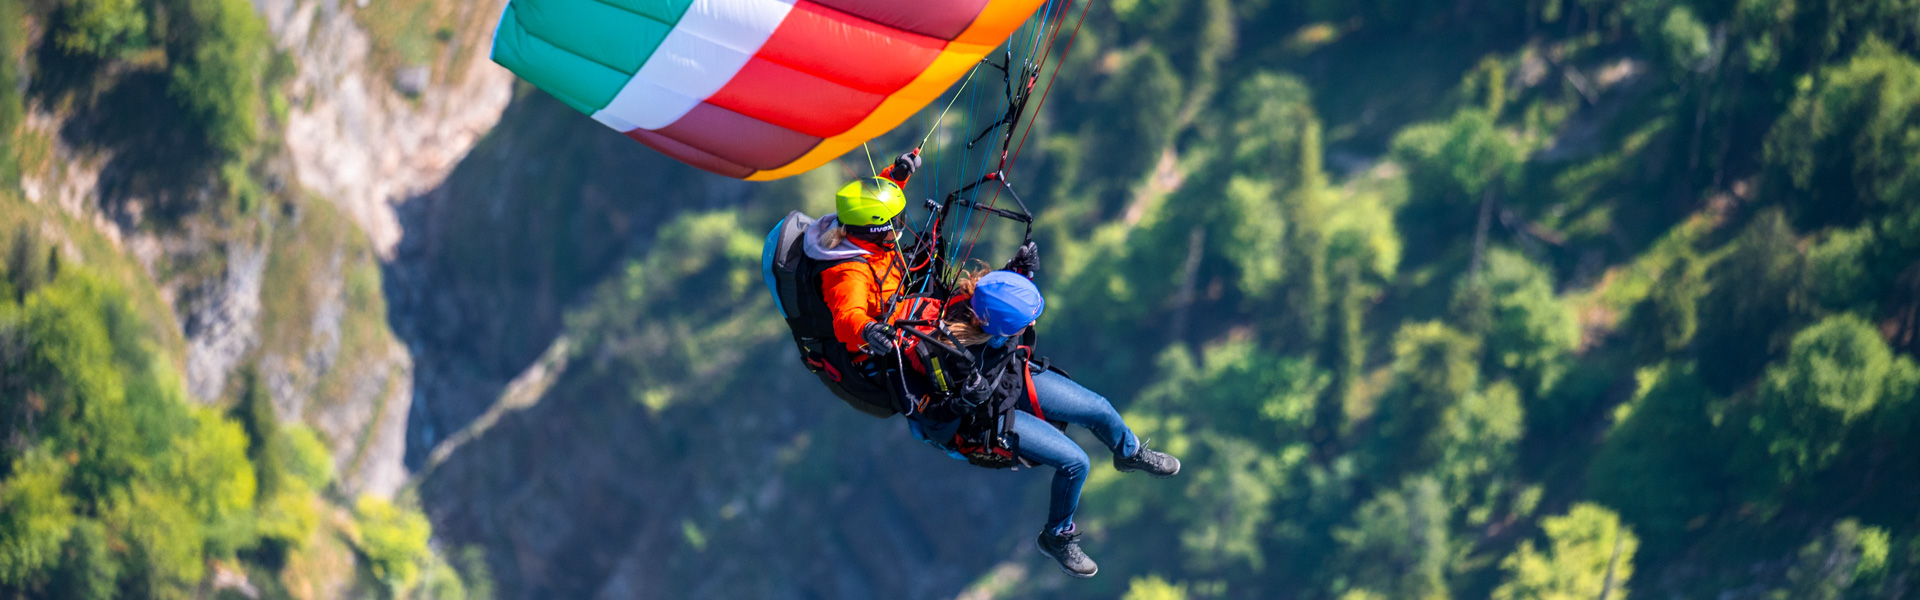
(1018,91)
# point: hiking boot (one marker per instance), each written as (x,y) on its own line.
(1158,464)
(1065,548)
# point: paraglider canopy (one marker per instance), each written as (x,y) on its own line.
(753,89)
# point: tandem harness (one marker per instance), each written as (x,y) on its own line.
(981,399)
(978,410)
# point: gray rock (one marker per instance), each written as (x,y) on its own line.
(413,80)
(220,326)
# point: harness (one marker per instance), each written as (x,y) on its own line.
(988,439)
(794,280)
(982,398)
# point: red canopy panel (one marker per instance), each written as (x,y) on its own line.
(944,20)
(848,50)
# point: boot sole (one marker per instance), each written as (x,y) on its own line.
(1063,568)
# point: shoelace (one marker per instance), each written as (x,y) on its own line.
(1070,546)
(1142,455)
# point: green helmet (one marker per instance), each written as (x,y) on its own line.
(869,204)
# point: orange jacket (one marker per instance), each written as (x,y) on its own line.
(857,290)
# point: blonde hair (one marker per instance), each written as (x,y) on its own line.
(833,237)
(966,327)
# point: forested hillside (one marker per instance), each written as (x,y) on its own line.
(1435,299)
(1443,299)
(194,357)
(1509,299)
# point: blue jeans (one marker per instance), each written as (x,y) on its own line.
(1063,400)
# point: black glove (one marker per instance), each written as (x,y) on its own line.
(904,166)
(879,338)
(1025,261)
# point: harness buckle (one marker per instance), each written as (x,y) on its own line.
(819,364)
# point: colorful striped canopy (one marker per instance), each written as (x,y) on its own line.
(754,89)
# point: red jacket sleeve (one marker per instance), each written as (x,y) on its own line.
(849,291)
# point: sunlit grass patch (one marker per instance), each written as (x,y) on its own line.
(1610,299)
(437,34)
(79,241)
(1313,37)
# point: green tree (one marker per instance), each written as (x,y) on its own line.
(1148,92)
(219,51)
(1435,367)
(1257,236)
(142,489)
(1154,588)
(1835,562)
(1249,414)
(1278,204)
(254,412)
(290,513)
(1836,374)
(1238,389)
(1528,330)
(89,570)
(1589,555)
(208,467)
(1756,301)
(1274,112)
(36,517)
(1840,272)
(394,541)
(1453,164)
(1661,465)
(1461,159)
(1667,320)
(86,346)
(1229,502)
(1849,146)
(102,28)
(1478,436)
(1684,42)
(1398,543)
(1306,209)
(1789,36)
(166,543)
(1363,257)
(30,264)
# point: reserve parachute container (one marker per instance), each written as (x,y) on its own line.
(753,89)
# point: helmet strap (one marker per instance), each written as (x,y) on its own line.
(869,230)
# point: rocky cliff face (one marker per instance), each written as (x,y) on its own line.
(367,146)
(293,288)
(367,138)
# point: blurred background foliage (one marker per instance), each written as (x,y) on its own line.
(1435,298)
(1522,299)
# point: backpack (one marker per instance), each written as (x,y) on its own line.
(794,280)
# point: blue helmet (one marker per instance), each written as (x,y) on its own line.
(1006,301)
